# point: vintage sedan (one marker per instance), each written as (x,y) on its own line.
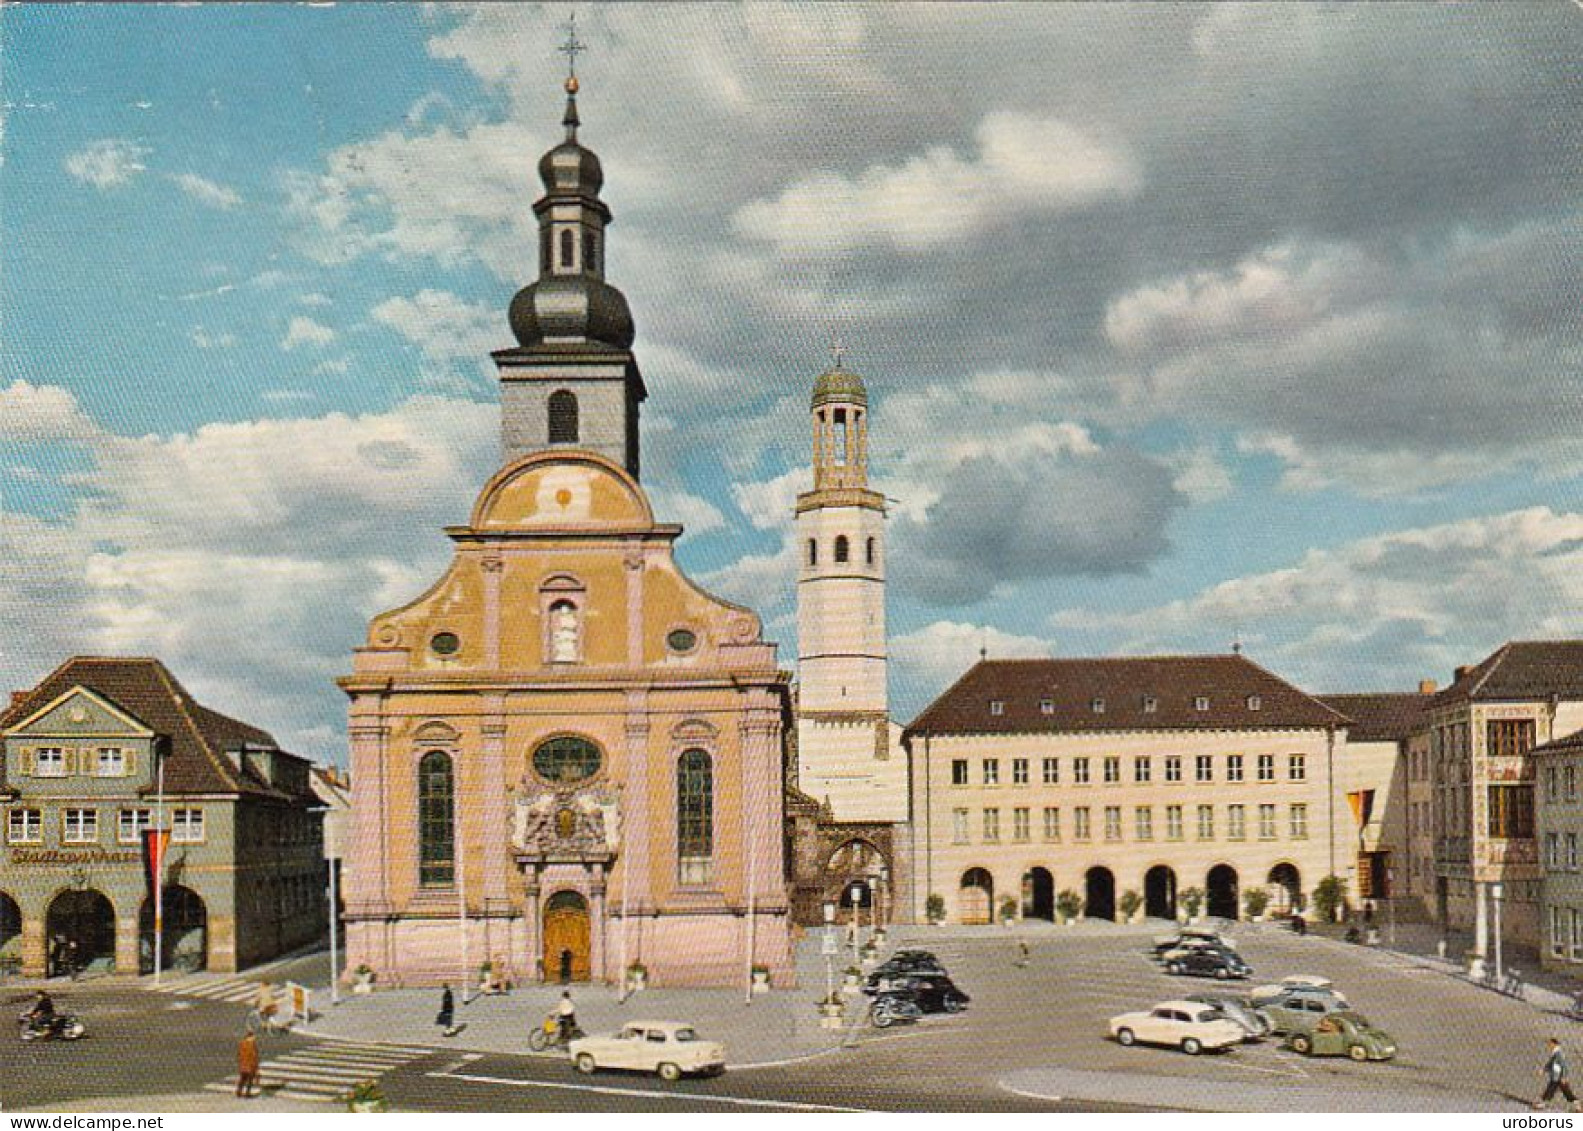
(1189,935)
(1299,1011)
(1344,1034)
(1209,962)
(670,1048)
(1315,982)
(1237,1008)
(1185,1025)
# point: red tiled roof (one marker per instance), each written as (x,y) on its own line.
(1230,684)
(143,688)
(1522,669)
(1383,717)
(1567,744)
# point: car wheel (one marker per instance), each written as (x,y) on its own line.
(1191,1046)
(1302,1045)
(1125,1038)
(1221,973)
(586,1064)
(1173,967)
(1358,1053)
(670,1073)
(954,1005)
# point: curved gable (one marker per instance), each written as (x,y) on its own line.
(557,490)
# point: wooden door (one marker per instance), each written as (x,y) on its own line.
(566,948)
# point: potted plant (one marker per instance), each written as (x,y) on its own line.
(1069,905)
(1255,901)
(934,909)
(363,979)
(1129,905)
(761,979)
(1329,898)
(365,1096)
(638,977)
(831,1010)
(1008,910)
(1192,900)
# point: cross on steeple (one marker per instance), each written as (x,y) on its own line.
(835,349)
(572,47)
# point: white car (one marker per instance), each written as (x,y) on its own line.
(670,1048)
(1312,982)
(1187,1025)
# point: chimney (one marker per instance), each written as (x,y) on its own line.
(1426,687)
(18,696)
(1456,676)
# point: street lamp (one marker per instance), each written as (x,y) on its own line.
(1497,891)
(828,947)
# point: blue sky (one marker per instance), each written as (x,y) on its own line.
(1181,324)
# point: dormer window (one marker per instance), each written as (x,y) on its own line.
(1047,706)
(1255,703)
(568,244)
(1097,705)
(563,417)
(1201,703)
(997,706)
(1151,705)
(590,253)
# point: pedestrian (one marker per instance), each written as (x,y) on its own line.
(1368,912)
(566,1016)
(1556,1078)
(446,1018)
(73,963)
(264,1007)
(247,1066)
(1022,953)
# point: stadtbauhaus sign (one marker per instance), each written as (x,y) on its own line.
(65,856)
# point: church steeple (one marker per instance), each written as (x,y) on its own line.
(840,427)
(572,381)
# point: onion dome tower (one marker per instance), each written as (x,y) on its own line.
(572,380)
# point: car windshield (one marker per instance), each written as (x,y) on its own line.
(1211,1015)
(686,1035)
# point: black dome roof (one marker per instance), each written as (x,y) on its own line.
(575,307)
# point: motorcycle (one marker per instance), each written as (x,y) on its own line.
(549,1035)
(889,1009)
(61,1027)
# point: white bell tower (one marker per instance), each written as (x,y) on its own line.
(844,739)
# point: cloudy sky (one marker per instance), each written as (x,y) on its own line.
(1182,324)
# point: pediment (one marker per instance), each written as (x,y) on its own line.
(80,711)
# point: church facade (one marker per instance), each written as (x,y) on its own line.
(567,758)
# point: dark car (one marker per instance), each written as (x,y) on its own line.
(903,963)
(933,993)
(1209,963)
(1188,937)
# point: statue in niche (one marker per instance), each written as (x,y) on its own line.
(563,632)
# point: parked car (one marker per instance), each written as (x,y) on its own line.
(1255,1024)
(914,959)
(933,993)
(1163,943)
(1344,1034)
(903,963)
(1300,982)
(1192,946)
(1186,1025)
(1298,1011)
(1209,962)
(670,1048)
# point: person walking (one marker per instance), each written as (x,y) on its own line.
(265,1007)
(446,1018)
(566,1016)
(1556,1078)
(247,1066)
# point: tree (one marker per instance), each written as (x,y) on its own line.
(1069,904)
(1329,898)
(1255,901)
(1192,900)
(1129,903)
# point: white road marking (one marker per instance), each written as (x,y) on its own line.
(601,1089)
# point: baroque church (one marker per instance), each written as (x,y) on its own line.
(567,759)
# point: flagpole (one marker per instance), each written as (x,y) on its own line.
(159,864)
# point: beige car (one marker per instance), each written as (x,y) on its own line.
(670,1048)
(1187,1025)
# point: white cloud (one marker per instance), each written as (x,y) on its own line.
(108,163)
(207,341)
(41,413)
(315,299)
(444,326)
(1200,475)
(1024,163)
(332,365)
(931,658)
(303,330)
(206,191)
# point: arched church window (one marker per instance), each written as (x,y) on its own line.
(544,251)
(563,417)
(565,633)
(868,552)
(695,816)
(590,252)
(813,551)
(436,821)
(567,246)
(842,549)
(840,453)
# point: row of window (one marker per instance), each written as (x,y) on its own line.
(81,826)
(60,762)
(1142,769)
(1566,933)
(1553,854)
(841,551)
(283,896)
(1149,703)
(1143,826)
(1561,782)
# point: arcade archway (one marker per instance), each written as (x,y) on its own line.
(79,932)
(1286,888)
(1038,894)
(186,934)
(977,897)
(1099,894)
(10,934)
(1221,885)
(1159,892)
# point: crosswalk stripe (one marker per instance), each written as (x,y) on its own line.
(326,1072)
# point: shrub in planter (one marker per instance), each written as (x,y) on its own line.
(934,909)
(1129,903)
(1329,898)
(1255,901)
(1008,909)
(1192,901)
(1069,904)
(365,1096)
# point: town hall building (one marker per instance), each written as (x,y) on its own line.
(566,758)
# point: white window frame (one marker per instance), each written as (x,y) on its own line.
(1266,767)
(1576,951)
(1113,822)
(1203,767)
(1080,771)
(120,763)
(1142,769)
(1047,706)
(1206,822)
(1255,703)
(137,820)
(79,825)
(57,760)
(187,826)
(1297,820)
(1021,825)
(997,707)
(991,826)
(1112,769)
(1082,824)
(1173,767)
(1019,771)
(1572,852)
(1052,823)
(1236,822)
(960,775)
(961,826)
(1143,822)
(991,771)
(1173,822)
(1051,771)
(1267,829)
(1151,705)
(1297,767)
(1558,932)
(24,826)
(1201,703)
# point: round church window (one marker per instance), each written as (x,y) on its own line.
(445,643)
(681,641)
(567,760)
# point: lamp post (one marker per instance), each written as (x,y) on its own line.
(829,951)
(1497,891)
(330,864)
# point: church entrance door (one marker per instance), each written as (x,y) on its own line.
(566,946)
